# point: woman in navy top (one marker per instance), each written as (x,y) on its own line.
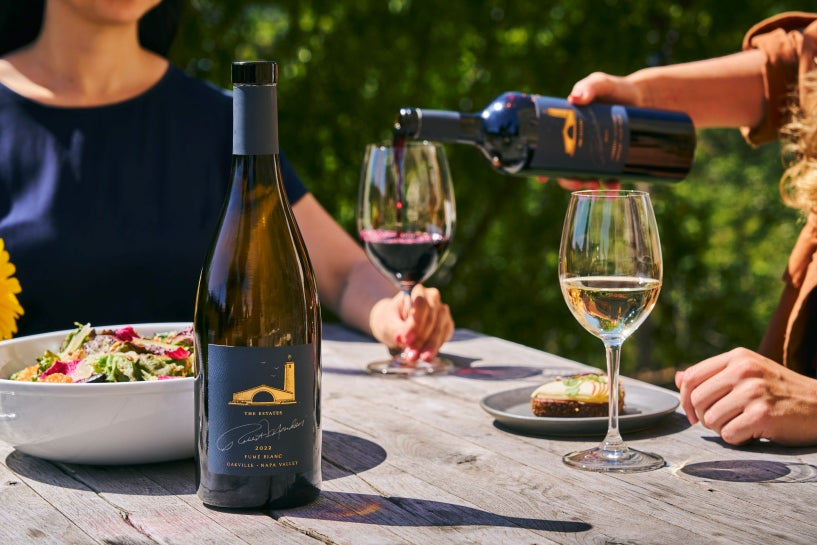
(114,166)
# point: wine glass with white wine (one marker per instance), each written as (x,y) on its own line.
(610,272)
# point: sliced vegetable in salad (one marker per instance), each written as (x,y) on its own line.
(122,355)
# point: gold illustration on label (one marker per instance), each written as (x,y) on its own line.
(569,135)
(283,396)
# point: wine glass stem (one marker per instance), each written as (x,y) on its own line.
(401,356)
(613,442)
(406,291)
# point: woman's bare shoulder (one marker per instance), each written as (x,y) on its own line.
(13,76)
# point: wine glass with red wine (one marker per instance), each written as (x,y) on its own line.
(405,219)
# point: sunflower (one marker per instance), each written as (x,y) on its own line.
(10,308)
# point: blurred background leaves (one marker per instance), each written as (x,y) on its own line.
(347,67)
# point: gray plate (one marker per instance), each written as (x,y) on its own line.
(644,405)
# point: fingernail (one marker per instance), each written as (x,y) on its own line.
(577,96)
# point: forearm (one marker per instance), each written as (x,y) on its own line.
(360,295)
(347,282)
(364,288)
(720,92)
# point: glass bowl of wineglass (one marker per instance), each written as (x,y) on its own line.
(610,272)
(405,219)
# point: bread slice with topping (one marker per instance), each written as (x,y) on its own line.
(582,395)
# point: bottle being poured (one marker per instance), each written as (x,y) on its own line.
(532,135)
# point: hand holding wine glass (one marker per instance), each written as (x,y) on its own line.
(610,272)
(405,217)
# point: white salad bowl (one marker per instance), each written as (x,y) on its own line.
(94,423)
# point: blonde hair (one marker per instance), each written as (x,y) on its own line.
(798,186)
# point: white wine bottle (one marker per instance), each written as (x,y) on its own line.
(534,135)
(258,327)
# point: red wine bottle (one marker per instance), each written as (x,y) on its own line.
(257,327)
(533,135)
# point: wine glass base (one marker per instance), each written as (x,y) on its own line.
(622,461)
(396,368)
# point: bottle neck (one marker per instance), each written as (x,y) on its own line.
(439,126)
(255,120)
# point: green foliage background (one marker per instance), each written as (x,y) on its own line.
(346,67)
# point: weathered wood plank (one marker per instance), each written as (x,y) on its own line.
(41,505)
(174,512)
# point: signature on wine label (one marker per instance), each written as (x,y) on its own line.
(251,433)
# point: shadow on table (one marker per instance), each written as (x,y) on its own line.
(177,476)
(403,511)
(464,368)
(345,455)
(762,446)
(667,425)
(342,454)
(752,471)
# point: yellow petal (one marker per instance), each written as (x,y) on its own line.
(10,308)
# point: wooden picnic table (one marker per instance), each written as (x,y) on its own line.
(418,461)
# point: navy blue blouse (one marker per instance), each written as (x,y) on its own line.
(107,212)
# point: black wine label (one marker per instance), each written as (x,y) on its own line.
(592,138)
(261,409)
(255,120)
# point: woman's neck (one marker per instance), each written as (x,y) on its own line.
(82,64)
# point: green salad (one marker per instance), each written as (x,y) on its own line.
(121,355)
